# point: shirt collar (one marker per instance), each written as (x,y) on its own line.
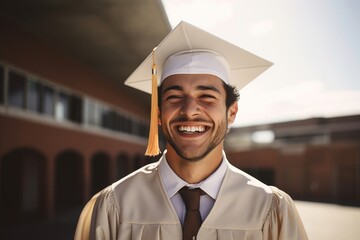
(173,183)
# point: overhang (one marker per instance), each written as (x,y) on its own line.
(112,37)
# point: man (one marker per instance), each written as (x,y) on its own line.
(193,192)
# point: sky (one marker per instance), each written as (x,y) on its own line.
(314,45)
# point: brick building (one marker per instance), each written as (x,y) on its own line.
(314,159)
(68,125)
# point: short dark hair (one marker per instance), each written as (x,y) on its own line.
(232,95)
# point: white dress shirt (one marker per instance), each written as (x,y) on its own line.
(173,183)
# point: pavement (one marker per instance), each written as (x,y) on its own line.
(330,221)
(61,227)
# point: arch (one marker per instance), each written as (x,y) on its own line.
(100,171)
(69,183)
(122,164)
(23,178)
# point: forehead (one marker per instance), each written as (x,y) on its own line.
(192,81)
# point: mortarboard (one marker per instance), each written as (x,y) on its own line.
(241,66)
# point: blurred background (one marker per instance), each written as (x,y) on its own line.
(69,127)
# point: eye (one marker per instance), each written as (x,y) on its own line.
(208,97)
(172,97)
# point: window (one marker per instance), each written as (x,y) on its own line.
(2,84)
(129,125)
(114,120)
(25,91)
(144,130)
(34,103)
(107,118)
(69,107)
(48,100)
(92,117)
(75,109)
(17,90)
(122,123)
(263,137)
(62,107)
(140,129)
(117,119)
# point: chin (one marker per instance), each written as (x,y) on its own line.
(192,157)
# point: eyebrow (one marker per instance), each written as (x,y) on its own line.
(175,87)
(200,87)
(208,87)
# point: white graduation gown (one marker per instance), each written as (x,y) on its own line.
(137,207)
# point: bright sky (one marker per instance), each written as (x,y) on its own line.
(314,45)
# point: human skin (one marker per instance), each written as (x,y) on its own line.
(194,120)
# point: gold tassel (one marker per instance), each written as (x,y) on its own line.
(153,141)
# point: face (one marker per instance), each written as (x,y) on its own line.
(193,114)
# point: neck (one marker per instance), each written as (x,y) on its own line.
(194,171)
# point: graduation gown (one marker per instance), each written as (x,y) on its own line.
(138,207)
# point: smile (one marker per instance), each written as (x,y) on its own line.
(191,129)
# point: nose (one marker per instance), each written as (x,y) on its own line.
(190,108)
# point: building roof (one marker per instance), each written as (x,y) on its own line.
(111,37)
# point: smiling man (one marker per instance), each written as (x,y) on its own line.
(194,120)
(192,192)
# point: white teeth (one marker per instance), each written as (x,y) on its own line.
(191,129)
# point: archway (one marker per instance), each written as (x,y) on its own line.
(100,172)
(68,180)
(22,186)
(122,163)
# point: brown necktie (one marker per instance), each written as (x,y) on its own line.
(192,222)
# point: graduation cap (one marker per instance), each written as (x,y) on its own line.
(190,50)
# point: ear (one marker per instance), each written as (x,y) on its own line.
(231,112)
